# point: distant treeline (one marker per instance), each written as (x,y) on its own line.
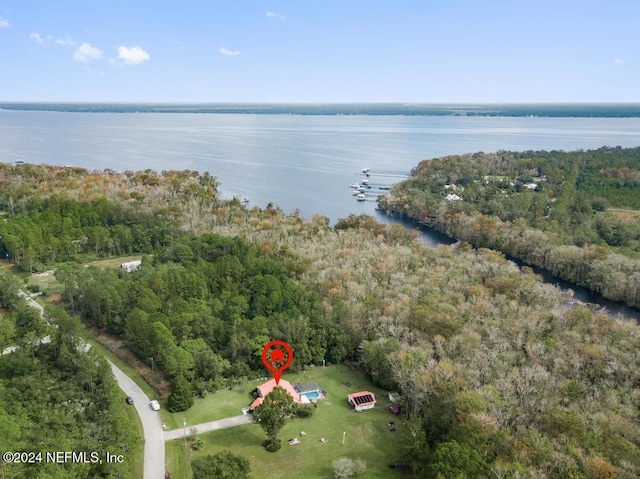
(550,209)
(616,110)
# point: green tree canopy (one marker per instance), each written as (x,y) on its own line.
(272,412)
(454,460)
(224,465)
(181,397)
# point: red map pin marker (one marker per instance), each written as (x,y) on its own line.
(275,360)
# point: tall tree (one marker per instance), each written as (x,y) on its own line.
(271,415)
(181,397)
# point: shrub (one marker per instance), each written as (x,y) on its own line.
(599,204)
(305,410)
(344,467)
(272,446)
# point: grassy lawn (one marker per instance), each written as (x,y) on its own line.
(221,404)
(47,282)
(626,214)
(138,458)
(114,262)
(368,437)
(178,459)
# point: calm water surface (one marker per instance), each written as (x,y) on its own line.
(298,162)
(303,163)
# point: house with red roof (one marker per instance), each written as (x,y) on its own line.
(362,401)
(267,387)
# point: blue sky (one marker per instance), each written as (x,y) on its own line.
(432,51)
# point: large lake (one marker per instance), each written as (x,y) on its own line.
(299,162)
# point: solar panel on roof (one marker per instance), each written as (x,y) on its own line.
(364,399)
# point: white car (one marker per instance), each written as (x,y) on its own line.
(155,405)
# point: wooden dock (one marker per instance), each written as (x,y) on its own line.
(371,198)
(374,189)
(386,173)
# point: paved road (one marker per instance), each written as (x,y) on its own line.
(154,436)
(208,427)
(10,349)
(32,302)
(151,425)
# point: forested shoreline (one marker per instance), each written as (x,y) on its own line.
(497,377)
(557,110)
(575,214)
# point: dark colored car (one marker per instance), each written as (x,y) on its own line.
(129,400)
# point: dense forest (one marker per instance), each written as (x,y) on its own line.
(574,214)
(204,308)
(60,397)
(498,376)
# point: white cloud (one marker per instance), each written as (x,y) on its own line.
(66,41)
(86,52)
(132,55)
(228,53)
(618,61)
(4,23)
(39,39)
(270,14)
(43,40)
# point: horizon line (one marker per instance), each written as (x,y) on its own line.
(404,103)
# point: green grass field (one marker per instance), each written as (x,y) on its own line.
(47,283)
(47,280)
(368,437)
(625,214)
(221,404)
(138,458)
(114,262)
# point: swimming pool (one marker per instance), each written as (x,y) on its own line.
(312,394)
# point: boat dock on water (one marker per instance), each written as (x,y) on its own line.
(368,172)
(368,189)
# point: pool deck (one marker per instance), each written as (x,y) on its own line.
(314,396)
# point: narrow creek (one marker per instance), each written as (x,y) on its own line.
(432,238)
